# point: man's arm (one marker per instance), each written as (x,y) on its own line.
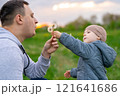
(38,69)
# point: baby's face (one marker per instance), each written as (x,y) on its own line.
(90,36)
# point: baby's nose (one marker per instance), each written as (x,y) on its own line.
(84,34)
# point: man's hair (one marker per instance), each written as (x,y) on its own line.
(10,9)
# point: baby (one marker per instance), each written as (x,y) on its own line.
(94,54)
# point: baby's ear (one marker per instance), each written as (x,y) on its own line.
(98,38)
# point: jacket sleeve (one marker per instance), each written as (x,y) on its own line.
(73,72)
(38,69)
(78,47)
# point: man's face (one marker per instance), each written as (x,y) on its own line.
(90,36)
(29,23)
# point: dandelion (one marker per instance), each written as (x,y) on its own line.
(51,28)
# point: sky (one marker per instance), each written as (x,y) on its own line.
(64,11)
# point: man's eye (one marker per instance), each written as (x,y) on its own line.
(32,16)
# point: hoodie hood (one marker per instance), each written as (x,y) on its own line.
(108,53)
(5,34)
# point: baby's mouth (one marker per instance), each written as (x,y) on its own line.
(84,38)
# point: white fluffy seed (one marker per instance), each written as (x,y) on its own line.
(50,29)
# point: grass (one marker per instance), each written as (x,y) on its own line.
(63,59)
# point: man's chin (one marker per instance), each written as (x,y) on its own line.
(34,33)
(31,35)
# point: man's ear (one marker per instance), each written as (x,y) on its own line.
(19,19)
(98,38)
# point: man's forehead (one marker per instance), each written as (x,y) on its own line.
(27,9)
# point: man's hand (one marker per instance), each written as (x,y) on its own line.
(67,74)
(50,46)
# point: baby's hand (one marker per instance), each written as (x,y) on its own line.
(67,74)
(56,33)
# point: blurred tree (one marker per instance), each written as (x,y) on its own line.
(79,24)
(111,21)
(93,19)
(107,18)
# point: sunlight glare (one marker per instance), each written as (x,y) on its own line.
(41,25)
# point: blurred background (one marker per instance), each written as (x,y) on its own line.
(72,17)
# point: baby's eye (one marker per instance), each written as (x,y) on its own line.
(88,32)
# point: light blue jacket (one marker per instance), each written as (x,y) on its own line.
(94,57)
(13,61)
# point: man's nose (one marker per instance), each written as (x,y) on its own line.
(35,21)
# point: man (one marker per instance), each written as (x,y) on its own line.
(18,23)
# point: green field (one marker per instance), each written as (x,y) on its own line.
(63,59)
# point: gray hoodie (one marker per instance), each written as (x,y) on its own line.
(13,60)
(94,57)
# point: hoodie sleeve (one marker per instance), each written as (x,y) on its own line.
(38,69)
(78,47)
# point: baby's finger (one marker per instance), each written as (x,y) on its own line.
(52,33)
